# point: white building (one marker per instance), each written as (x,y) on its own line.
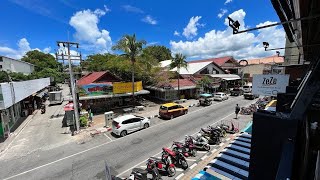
(18,99)
(13,65)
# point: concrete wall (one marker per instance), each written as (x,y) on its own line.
(254,69)
(14,92)
(289,59)
(12,65)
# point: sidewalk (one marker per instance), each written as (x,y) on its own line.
(190,173)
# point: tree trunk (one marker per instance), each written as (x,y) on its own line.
(179,83)
(133,100)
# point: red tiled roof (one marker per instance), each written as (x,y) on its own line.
(218,61)
(182,82)
(91,77)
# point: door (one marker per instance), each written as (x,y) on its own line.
(136,123)
(128,125)
(181,109)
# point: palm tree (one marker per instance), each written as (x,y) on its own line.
(179,62)
(131,48)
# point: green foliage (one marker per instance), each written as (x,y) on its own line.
(160,53)
(45,66)
(204,82)
(4,77)
(179,61)
(83,121)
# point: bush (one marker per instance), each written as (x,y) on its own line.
(83,121)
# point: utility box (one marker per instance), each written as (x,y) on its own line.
(55,97)
(108,117)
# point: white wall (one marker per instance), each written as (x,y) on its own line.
(16,91)
(16,66)
(212,69)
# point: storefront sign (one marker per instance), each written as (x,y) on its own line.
(269,85)
(121,88)
(95,89)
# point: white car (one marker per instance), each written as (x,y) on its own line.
(220,96)
(123,125)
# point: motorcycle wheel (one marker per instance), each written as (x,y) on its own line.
(206,147)
(193,152)
(171,171)
(184,164)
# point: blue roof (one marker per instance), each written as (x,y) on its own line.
(206,95)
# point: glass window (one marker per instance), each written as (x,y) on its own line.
(1,60)
(0,66)
(163,108)
(135,120)
(127,121)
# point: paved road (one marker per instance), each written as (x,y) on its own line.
(87,161)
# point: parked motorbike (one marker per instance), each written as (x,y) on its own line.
(43,109)
(163,165)
(212,135)
(196,143)
(177,158)
(141,174)
(228,129)
(186,150)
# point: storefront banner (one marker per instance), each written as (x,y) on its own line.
(122,88)
(95,89)
(269,85)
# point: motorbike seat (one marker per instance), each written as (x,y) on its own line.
(169,151)
(205,130)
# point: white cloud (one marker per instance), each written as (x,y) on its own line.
(219,43)
(148,19)
(23,47)
(176,33)
(106,9)
(132,9)
(47,50)
(87,32)
(222,12)
(228,1)
(191,29)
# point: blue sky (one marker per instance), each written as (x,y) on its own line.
(194,28)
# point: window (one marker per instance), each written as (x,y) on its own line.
(135,120)
(0,66)
(127,121)
(1,60)
(163,108)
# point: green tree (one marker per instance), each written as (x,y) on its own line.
(131,48)
(45,66)
(205,82)
(4,77)
(160,53)
(179,61)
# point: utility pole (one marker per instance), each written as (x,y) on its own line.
(72,80)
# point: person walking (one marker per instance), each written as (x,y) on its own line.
(237,111)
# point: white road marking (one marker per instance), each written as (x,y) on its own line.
(202,152)
(180,175)
(193,165)
(221,144)
(143,166)
(205,156)
(193,160)
(179,169)
(95,147)
(214,150)
(107,136)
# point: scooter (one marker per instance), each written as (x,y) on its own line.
(199,145)
(186,150)
(163,165)
(229,130)
(213,136)
(141,174)
(43,109)
(176,157)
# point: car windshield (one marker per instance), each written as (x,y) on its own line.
(246,86)
(218,94)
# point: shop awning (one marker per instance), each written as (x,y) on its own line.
(227,77)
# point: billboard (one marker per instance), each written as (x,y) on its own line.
(122,88)
(95,89)
(269,84)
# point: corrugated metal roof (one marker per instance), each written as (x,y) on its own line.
(219,61)
(165,63)
(193,67)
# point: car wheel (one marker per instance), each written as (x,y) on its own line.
(146,125)
(186,112)
(123,133)
(171,117)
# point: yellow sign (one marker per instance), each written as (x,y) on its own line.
(121,88)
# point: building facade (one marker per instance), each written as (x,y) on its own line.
(13,65)
(18,99)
